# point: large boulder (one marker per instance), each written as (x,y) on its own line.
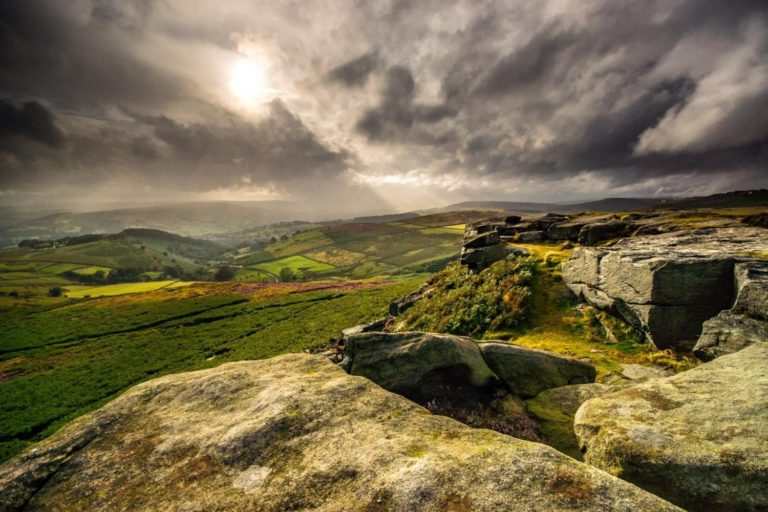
(729,332)
(528,372)
(529,237)
(594,233)
(698,439)
(664,284)
(481,258)
(408,362)
(482,240)
(295,433)
(752,289)
(565,231)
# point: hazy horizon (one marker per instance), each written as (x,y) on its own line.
(362,107)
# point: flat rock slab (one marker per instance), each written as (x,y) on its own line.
(295,433)
(668,285)
(699,438)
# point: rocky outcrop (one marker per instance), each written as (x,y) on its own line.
(744,324)
(415,363)
(752,289)
(528,372)
(727,333)
(698,439)
(664,284)
(295,433)
(482,246)
(593,234)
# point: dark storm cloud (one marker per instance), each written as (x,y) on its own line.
(30,120)
(79,55)
(625,94)
(355,73)
(397,112)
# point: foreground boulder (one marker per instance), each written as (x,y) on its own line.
(294,433)
(666,285)
(408,362)
(528,372)
(698,439)
(416,363)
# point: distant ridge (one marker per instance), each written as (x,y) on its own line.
(735,199)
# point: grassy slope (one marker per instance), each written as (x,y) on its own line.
(59,363)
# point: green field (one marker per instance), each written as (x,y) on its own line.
(59,363)
(297,264)
(121,289)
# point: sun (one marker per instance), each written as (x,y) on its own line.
(248,81)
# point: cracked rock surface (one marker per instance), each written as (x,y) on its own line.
(668,285)
(295,432)
(698,439)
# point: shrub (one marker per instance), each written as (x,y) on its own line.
(461,302)
(224,274)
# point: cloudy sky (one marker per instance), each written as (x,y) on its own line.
(380,103)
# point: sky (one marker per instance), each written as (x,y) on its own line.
(382,104)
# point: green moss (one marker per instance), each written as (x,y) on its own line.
(555,425)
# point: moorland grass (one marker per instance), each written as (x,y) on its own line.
(74,358)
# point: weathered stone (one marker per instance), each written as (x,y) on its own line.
(583,267)
(531,236)
(698,439)
(528,372)
(664,284)
(478,259)
(752,289)
(545,221)
(729,332)
(592,234)
(483,240)
(408,361)
(565,231)
(295,433)
(511,220)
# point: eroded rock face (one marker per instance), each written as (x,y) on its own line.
(528,372)
(699,438)
(752,289)
(727,333)
(294,433)
(667,285)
